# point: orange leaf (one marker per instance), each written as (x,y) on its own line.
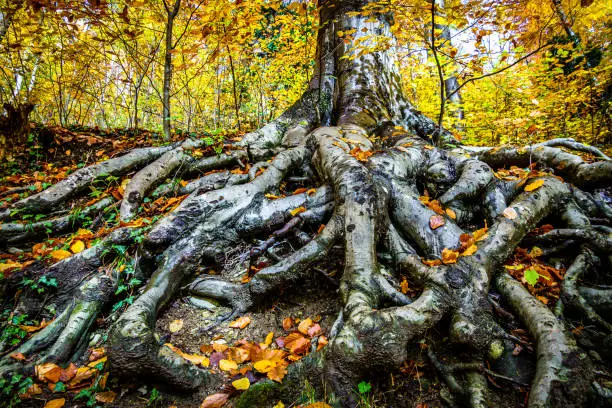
(449,256)
(48,372)
(77,246)
(277,373)
(360,155)
(298,346)
(287,323)
(17,356)
(56,403)
(432,262)
(241,322)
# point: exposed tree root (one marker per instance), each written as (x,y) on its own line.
(400,207)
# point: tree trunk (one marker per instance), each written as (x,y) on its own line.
(168,67)
(368,152)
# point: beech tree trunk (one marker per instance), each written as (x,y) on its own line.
(369,152)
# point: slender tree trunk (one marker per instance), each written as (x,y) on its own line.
(168,67)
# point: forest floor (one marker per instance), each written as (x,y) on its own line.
(187,323)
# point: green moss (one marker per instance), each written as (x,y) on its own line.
(260,394)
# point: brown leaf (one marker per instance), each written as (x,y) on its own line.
(431,262)
(215,401)
(106,397)
(436,221)
(314,330)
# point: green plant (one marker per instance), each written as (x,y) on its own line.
(11,388)
(154,397)
(365,398)
(309,394)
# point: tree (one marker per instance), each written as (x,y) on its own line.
(401,195)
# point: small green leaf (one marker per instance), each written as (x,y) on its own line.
(364,387)
(531,276)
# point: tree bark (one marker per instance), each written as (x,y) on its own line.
(355,137)
(171,12)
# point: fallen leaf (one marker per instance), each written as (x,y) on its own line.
(322,342)
(431,262)
(323,404)
(227,365)
(480,234)
(215,401)
(241,322)
(242,384)
(194,358)
(269,339)
(32,329)
(264,366)
(297,211)
(298,345)
(60,254)
(219,347)
(314,330)
(287,323)
(175,325)
(106,397)
(360,155)
(510,213)
(48,372)
(277,373)
(436,221)
(238,354)
(449,256)
(305,325)
(82,374)
(17,356)
(9,265)
(77,246)
(534,185)
(279,404)
(451,213)
(56,403)
(471,250)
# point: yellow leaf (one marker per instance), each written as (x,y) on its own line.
(84,233)
(471,250)
(77,246)
(56,403)
(451,213)
(297,211)
(269,338)
(279,404)
(535,185)
(241,322)
(227,365)
(480,234)
(9,265)
(175,325)
(60,254)
(242,384)
(263,366)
